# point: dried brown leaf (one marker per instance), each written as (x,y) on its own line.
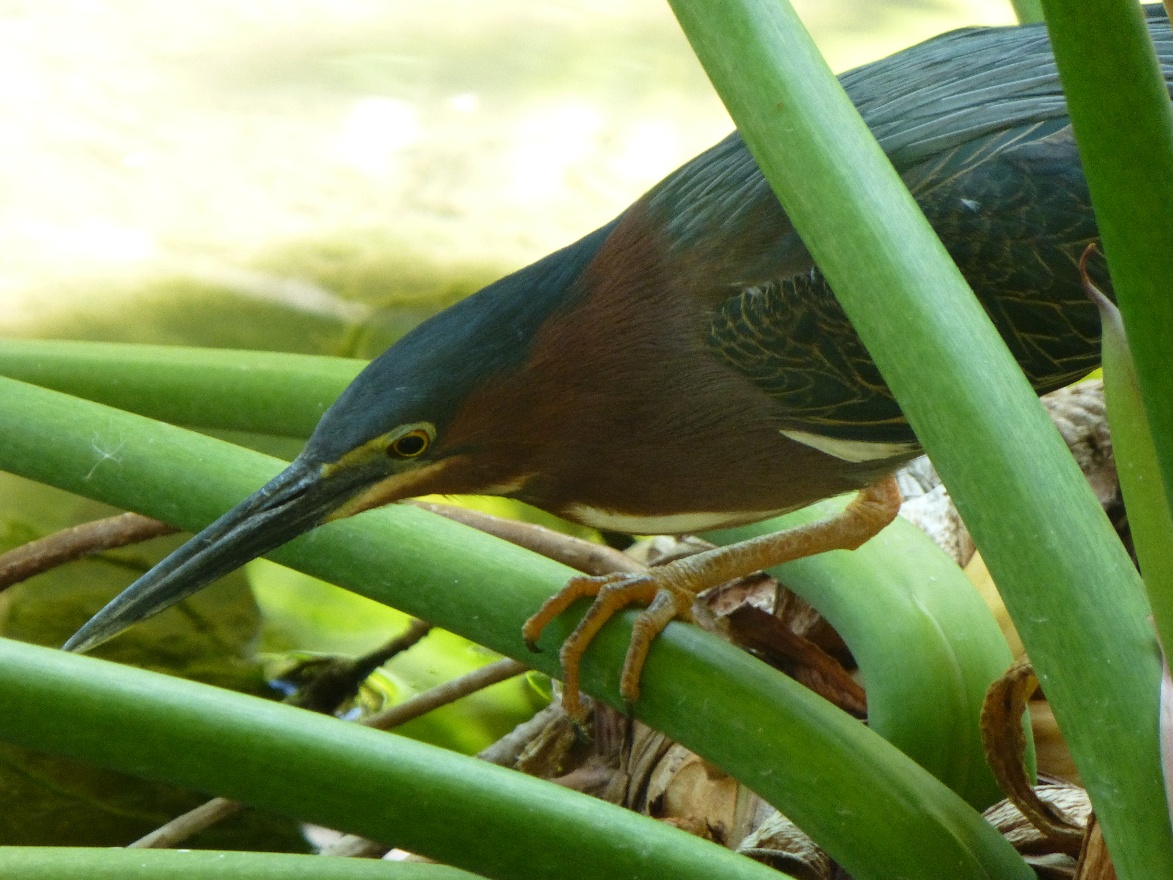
(1094,861)
(1005,745)
(769,638)
(781,844)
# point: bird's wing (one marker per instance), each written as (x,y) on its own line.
(976,123)
(968,84)
(960,89)
(791,338)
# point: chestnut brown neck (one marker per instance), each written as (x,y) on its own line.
(621,407)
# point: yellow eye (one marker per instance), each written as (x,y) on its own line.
(411,444)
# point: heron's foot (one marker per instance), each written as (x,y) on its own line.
(665,598)
(669,590)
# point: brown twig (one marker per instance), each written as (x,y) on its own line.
(441,695)
(190,823)
(575,552)
(76,543)
(506,751)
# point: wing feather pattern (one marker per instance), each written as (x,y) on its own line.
(976,123)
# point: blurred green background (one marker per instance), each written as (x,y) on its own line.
(318,175)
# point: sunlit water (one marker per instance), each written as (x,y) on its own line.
(214,139)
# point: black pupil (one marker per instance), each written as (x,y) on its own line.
(412,444)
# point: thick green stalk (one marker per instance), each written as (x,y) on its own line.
(259,391)
(1070,588)
(73,863)
(462,811)
(876,810)
(1124,126)
(1149,516)
(1028,10)
(936,652)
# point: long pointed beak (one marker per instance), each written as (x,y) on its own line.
(293,502)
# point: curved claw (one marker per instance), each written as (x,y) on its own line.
(575,589)
(669,590)
(611,593)
(670,603)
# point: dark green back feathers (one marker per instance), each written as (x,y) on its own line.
(975,122)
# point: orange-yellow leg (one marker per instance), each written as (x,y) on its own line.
(669,590)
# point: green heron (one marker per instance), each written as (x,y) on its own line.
(686,366)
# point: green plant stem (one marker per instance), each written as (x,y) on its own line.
(1028,10)
(75,863)
(936,653)
(876,810)
(465,812)
(1123,123)
(1068,584)
(270,392)
(1149,517)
